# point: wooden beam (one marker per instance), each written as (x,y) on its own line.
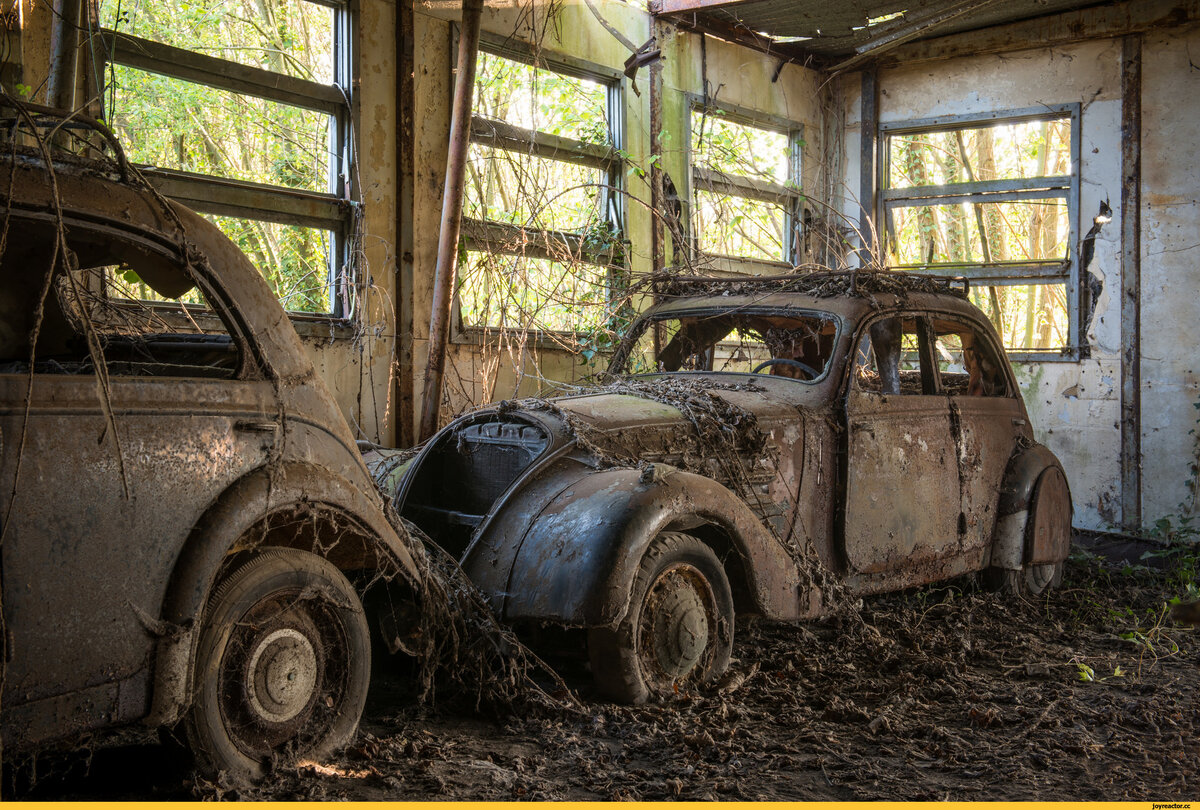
(1121,19)
(1131,282)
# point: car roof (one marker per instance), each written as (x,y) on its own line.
(853,295)
(93,194)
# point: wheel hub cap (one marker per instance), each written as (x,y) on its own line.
(680,625)
(282,675)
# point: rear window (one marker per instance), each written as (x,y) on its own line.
(122,298)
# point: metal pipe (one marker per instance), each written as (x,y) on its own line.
(868,126)
(452,199)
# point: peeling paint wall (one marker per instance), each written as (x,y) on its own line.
(1075,406)
(479,370)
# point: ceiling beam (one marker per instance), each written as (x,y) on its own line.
(1118,20)
(688,6)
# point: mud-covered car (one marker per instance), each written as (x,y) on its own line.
(188,526)
(767,447)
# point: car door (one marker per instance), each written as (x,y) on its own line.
(989,414)
(901,509)
(96,507)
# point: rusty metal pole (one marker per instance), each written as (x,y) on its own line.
(452,199)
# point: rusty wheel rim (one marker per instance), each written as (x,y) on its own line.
(283,675)
(677,623)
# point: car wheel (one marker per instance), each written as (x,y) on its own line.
(679,627)
(1031,580)
(282,666)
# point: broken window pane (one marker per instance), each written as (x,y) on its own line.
(526,294)
(1027,231)
(798,347)
(285,36)
(1027,316)
(739,226)
(541,100)
(733,148)
(742,181)
(294,259)
(966,363)
(533,192)
(175,124)
(1003,151)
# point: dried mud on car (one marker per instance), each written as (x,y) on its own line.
(940,693)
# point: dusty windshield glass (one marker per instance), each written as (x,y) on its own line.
(796,345)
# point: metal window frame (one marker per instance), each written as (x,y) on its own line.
(501,237)
(790,199)
(332,210)
(1065,187)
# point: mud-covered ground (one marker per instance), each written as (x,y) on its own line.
(942,693)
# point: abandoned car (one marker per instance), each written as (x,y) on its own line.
(188,526)
(765,448)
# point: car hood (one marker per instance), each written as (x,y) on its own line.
(691,422)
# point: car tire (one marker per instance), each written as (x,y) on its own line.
(1031,580)
(282,667)
(678,629)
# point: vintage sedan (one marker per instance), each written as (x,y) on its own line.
(188,529)
(766,447)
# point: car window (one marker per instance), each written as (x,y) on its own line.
(793,345)
(967,363)
(888,358)
(94,297)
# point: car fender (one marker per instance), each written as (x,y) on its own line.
(254,496)
(1012,548)
(577,559)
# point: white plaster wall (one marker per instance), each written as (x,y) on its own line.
(1170,291)
(1074,406)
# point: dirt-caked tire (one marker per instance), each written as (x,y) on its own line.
(282,667)
(1049,515)
(678,630)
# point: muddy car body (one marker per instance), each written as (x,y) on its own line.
(795,440)
(185,536)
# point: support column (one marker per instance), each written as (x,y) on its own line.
(1131,282)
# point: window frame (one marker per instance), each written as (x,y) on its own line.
(499,237)
(334,211)
(1000,274)
(791,199)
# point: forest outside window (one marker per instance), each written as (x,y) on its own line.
(542,215)
(993,199)
(745,184)
(240,110)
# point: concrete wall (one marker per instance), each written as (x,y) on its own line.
(1075,406)
(479,371)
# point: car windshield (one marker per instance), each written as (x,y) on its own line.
(781,343)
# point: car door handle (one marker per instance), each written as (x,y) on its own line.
(1019,422)
(254,426)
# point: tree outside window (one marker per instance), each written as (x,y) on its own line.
(994,200)
(240,109)
(541,217)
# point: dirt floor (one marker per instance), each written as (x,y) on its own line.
(933,694)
